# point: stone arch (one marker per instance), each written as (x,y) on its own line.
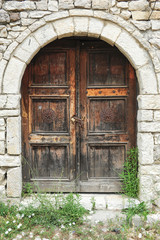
(80,26)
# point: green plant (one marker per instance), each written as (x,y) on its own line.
(130,180)
(93,202)
(133,209)
(27,189)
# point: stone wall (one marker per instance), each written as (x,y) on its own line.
(133,26)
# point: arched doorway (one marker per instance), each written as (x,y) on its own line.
(78,116)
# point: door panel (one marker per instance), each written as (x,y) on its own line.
(78,116)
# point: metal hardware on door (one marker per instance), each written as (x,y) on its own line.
(75,119)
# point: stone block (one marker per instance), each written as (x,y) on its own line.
(147,79)
(155,5)
(14,182)
(148,127)
(9,50)
(122,5)
(157,187)
(4,16)
(151,102)
(100,4)
(126,14)
(81,12)
(81,26)
(19,6)
(3,32)
(2,147)
(153,218)
(115,10)
(139,5)
(82,3)
(157,202)
(38,14)
(27,49)
(110,33)
(156,154)
(14,135)
(2,123)
(45,34)
(3,64)
(9,113)
(150,170)
(140,15)
(23,35)
(157,139)
(13,75)
(2,191)
(155,15)
(145,148)
(142,25)
(55,16)
(34,26)
(10,161)
(64,27)
(53,5)
(66,4)
(146,188)
(2,175)
(42,5)
(95,27)
(155,24)
(157,115)
(132,50)
(2,135)
(145,115)
(14,16)
(27,21)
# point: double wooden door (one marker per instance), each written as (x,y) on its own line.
(78,116)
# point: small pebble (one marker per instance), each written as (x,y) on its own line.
(140,235)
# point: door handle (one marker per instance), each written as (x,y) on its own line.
(79,121)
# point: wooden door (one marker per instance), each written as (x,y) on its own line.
(78,116)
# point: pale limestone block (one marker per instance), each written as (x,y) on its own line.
(155,15)
(66,4)
(2,147)
(100,4)
(23,35)
(82,3)
(122,4)
(150,170)
(12,35)
(155,24)
(157,115)
(55,16)
(10,161)
(64,27)
(37,24)
(9,113)
(157,139)
(14,16)
(81,26)
(9,50)
(115,10)
(125,14)
(13,76)
(148,126)
(2,175)
(2,191)
(140,15)
(14,135)
(3,32)
(142,25)
(139,5)
(145,115)
(95,27)
(23,14)
(42,5)
(53,5)
(81,12)
(30,47)
(45,34)
(3,64)
(157,202)
(146,188)
(19,6)
(110,33)
(3,100)
(158,78)
(147,79)
(2,135)
(27,21)
(14,182)
(156,154)
(155,42)
(156,5)
(2,123)
(149,102)
(145,148)
(5,42)
(38,14)
(4,16)
(132,50)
